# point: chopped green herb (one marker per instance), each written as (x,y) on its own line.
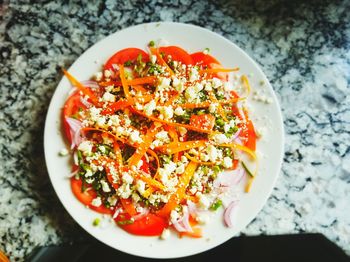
(151,43)
(216,205)
(96,222)
(126,222)
(246,169)
(217,169)
(128,63)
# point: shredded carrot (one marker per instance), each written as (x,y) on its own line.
(150,181)
(125,85)
(245,81)
(173,134)
(198,161)
(152,153)
(139,88)
(86,129)
(249,184)
(176,147)
(142,80)
(143,147)
(155,119)
(128,206)
(221,111)
(177,197)
(86,91)
(160,59)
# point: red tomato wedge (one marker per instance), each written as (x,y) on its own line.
(205,121)
(148,225)
(87,196)
(124,55)
(70,109)
(202,59)
(206,60)
(177,54)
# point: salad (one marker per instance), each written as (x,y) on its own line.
(152,136)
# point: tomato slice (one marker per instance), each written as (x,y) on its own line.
(87,196)
(148,225)
(204,121)
(72,106)
(202,59)
(124,55)
(177,54)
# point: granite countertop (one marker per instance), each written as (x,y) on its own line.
(304,49)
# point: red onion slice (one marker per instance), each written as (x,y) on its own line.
(229,213)
(90,83)
(144,212)
(75,127)
(235,136)
(183,224)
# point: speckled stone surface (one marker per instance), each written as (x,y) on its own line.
(303,48)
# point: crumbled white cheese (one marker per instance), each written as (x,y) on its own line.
(88,173)
(63,152)
(212,153)
(180,169)
(182,131)
(216,82)
(178,84)
(220,139)
(179,111)
(127,178)
(204,201)
(190,93)
(85,147)
(105,186)
(212,107)
(227,163)
(148,108)
(98,76)
(112,200)
(167,112)
(162,136)
(107,73)
(108,97)
(124,191)
(140,186)
(165,234)
(96,202)
(135,137)
(198,87)
(194,74)
(202,218)
(208,87)
(153,59)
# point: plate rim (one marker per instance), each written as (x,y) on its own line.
(267,193)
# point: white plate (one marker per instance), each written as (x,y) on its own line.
(191,38)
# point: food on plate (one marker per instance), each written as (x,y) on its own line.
(159,138)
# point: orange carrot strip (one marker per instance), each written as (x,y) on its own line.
(177,197)
(198,161)
(171,123)
(221,111)
(125,85)
(143,147)
(142,80)
(86,91)
(175,137)
(106,132)
(160,59)
(128,206)
(139,88)
(150,181)
(176,147)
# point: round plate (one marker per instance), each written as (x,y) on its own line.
(266,116)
